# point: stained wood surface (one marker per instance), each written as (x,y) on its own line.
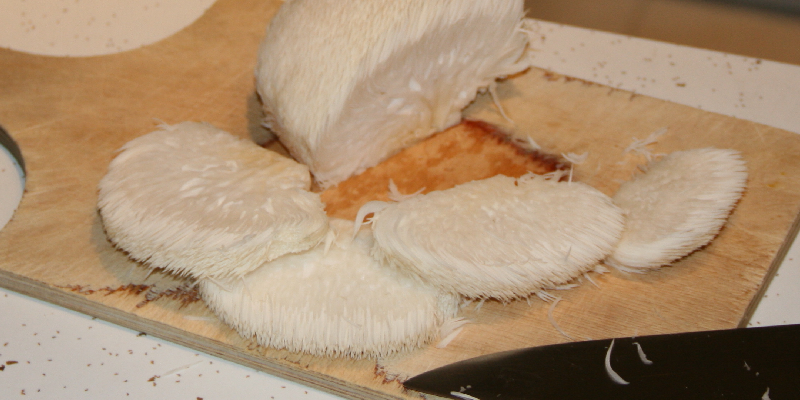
(69,115)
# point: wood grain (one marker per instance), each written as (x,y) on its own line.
(69,115)
(468,151)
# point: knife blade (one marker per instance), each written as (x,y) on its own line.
(745,363)
(12,177)
(9,144)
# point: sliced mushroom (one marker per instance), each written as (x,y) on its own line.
(677,206)
(198,201)
(345,84)
(333,300)
(500,237)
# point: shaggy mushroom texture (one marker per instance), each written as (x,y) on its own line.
(500,237)
(333,300)
(198,201)
(346,83)
(677,206)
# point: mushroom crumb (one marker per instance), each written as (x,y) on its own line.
(553,320)
(395,195)
(639,146)
(463,396)
(611,373)
(450,329)
(642,356)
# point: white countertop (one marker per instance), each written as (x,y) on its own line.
(49,352)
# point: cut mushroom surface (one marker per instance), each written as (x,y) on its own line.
(500,237)
(677,206)
(198,201)
(385,73)
(333,300)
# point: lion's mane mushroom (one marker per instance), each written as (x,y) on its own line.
(677,206)
(500,237)
(333,300)
(198,201)
(345,84)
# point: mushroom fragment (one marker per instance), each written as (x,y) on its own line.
(334,302)
(195,200)
(347,83)
(677,206)
(500,237)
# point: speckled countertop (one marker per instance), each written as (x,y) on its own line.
(49,352)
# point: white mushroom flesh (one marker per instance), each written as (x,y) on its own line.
(336,303)
(677,206)
(500,237)
(345,84)
(198,201)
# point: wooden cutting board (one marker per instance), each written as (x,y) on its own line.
(69,115)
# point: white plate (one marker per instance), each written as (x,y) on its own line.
(93,27)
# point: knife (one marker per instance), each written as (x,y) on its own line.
(9,144)
(745,363)
(12,182)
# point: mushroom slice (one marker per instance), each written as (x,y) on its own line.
(500,237)
(366,78)
(198,201)
(677,206)
(333,300)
